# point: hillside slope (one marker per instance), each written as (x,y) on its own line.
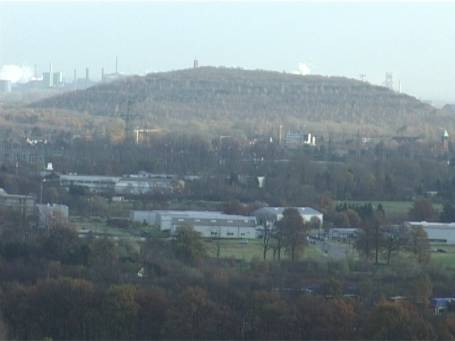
(234,98)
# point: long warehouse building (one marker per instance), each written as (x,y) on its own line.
(209,224)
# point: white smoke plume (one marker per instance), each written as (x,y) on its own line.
(16,73)
(303,70)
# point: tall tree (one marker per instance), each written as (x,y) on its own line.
(396,321)
(422,210)
(120,311)
(188,245)
(420,245)
(292,231)
(448,213)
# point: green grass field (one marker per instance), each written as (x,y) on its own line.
(445,259)
(253,249)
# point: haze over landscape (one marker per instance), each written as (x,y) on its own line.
(227,170)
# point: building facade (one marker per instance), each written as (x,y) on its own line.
(135,184)
(49,214)
(268,216)
(23,203)
(210,224)
(438,233)
(93,183)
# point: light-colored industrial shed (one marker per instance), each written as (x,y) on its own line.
(210,224)
(438,233)
(270,215)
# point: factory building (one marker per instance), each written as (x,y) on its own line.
(139,185)
(134,184)
(210,224)
(53,79)
(57,79)
(268,216)
(438,233)
(93,183)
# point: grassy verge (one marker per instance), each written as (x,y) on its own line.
(447,258)
(253,249)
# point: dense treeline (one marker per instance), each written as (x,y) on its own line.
(228,170)
(56,285)
(77,309)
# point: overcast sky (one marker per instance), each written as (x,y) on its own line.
(416,42)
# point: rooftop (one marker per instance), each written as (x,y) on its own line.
(200,214)
(431,225)
(279,210)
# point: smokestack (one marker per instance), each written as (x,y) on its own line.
(195,64)
(75,76)
(116,65)
(102,74)
(51,77)
(87,74)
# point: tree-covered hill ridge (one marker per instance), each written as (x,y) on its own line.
(227,95)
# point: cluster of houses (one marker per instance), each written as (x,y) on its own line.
(212,224)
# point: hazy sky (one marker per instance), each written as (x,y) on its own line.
(414,41)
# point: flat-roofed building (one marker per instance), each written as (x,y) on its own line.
(270,215)
(133,184)
(210,224)
(93,183)
(438,233)
(145,183)
(17,201)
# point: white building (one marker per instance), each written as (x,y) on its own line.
(145,183)
(438,233)
(270,215)
(134,184)
(209,224)
(50,213)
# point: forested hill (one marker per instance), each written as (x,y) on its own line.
(224,96)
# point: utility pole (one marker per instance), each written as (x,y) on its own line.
(127,118)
